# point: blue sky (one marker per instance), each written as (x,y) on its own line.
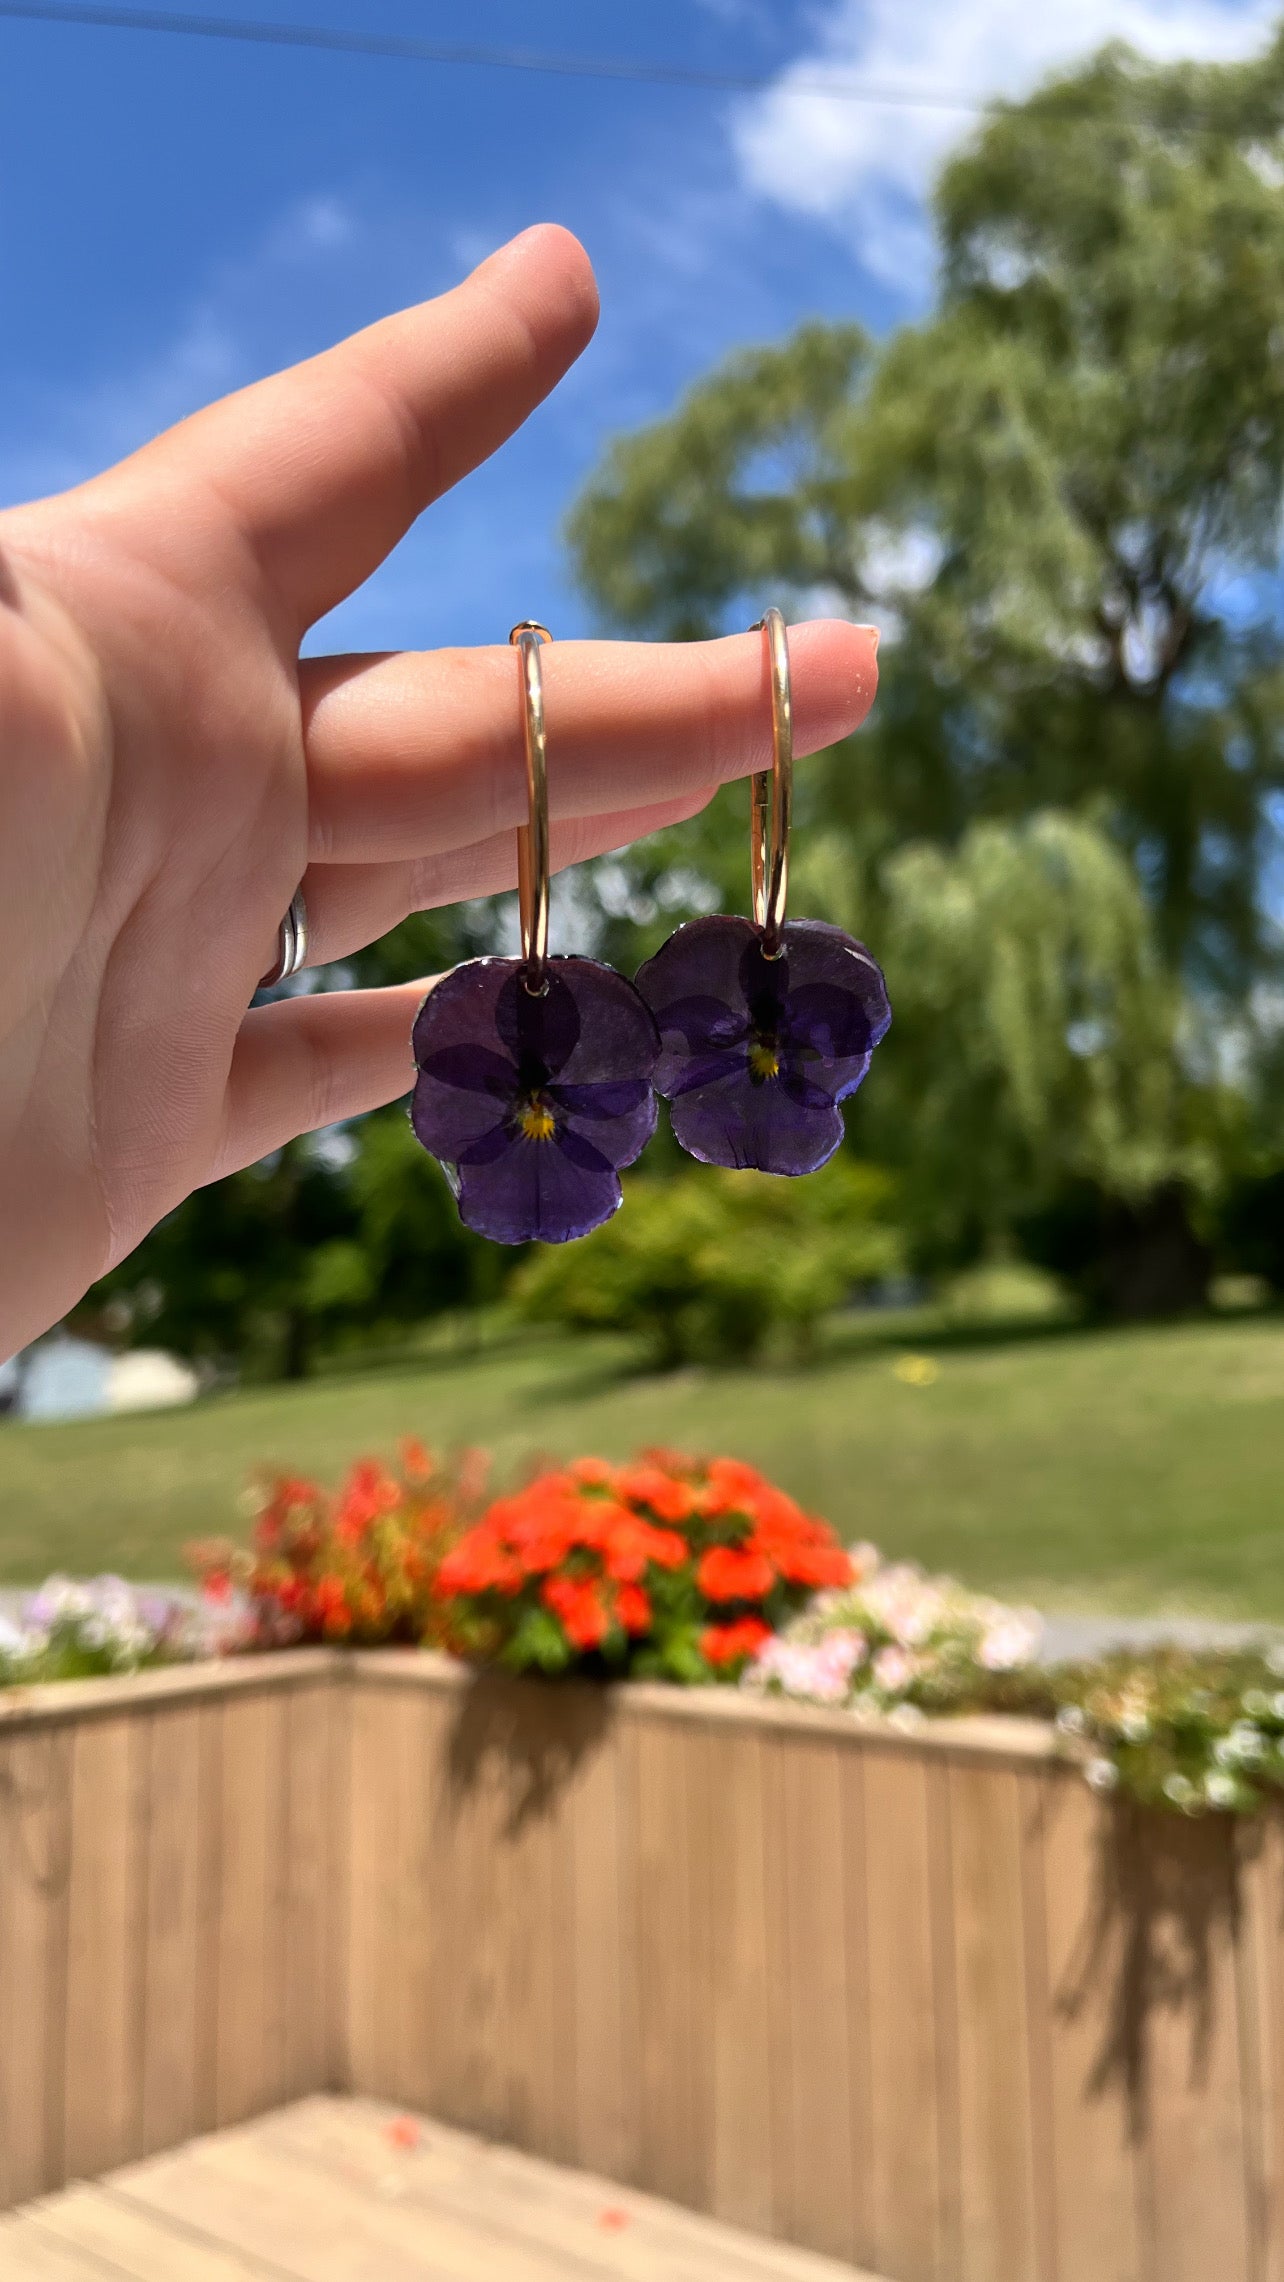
(178,216)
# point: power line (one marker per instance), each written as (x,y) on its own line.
(326,39)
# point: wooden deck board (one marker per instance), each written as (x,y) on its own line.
(342,2190)
(347,2189)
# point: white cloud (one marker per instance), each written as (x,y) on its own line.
(865,168)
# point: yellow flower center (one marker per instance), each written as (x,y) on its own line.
(536,1120)
(764,1061)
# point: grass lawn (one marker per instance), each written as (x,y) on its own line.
(1138,1470)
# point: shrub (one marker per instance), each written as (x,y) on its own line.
(357,1565)
(714,1266)
(669,1567)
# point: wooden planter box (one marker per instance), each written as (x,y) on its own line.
(921,2000)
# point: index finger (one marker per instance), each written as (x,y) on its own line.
(418,754)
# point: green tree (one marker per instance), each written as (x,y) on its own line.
(1037,1049)
(229,1278)
(1060,493)
(715,1266)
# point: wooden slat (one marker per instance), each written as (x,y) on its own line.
(252,1923)
(29,2254)
(170,1744)
(35,1866)
(810,2072)
(539,1740)
(906,2134)
(423,2004)
(997,2233)
(1181,1907)
(604,1992)
(856,1964)
(115,2237)
(509,2194)
(673,1999)
(1095,2117)
(308,1871)
(1033,1793)
(743,2177)
(102,2100)
(1261,2027)
(469,1930)
(315,2223)
(374,1897)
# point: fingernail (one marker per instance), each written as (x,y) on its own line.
(872,631)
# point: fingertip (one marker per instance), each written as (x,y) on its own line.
(835,679)
(560,274)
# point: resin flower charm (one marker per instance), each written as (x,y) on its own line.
(531,1101)
(757,1053)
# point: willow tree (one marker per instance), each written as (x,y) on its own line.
(1060,493)
(1037,1086)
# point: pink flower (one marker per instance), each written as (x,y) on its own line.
(893,1670)
(1011,1641)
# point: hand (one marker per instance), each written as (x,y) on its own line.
(170,770)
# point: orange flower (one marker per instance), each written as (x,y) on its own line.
(330,1605)
(633,1608)
(630,1543)
(728,1643)
(727,1573)
(578,1604)
(801,1550)
(416,1459)
(730,1487)
(478,1564)
(592,1472)
(649,1485)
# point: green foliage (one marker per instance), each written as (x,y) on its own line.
(227,1278)
(1191,1729)
(1060,495)
(1034,1028)
(717,1266)
(419,1257)
(312,1250)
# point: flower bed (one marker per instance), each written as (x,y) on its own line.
(698,1572)
(669,1568)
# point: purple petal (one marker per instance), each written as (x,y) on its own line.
(579,1150)
(460,1010)
(586,1046)
(823,1000)
(536,1192)
(617,1036)
(758,1125)
(449,1120)
(618,1117)
(709,1070)
(824,958)
(617,1097)
(706,1024)
(692,984)
(540,1029)
(474,1068)
(488,1148)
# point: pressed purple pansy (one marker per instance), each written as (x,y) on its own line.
(534,1102)
(757,1053)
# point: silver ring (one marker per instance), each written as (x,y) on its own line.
(291,942)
